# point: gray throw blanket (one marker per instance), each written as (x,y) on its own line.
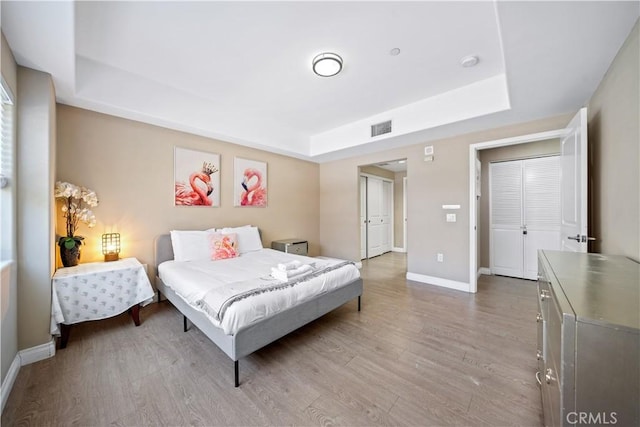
(217,301)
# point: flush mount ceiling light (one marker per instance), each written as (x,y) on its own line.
(327,64)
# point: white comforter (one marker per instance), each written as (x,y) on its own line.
(192,280)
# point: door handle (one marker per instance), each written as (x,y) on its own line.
(548,376)
(581,238)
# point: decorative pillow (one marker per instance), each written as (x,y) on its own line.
(248,238)
(190,245)
(223,246)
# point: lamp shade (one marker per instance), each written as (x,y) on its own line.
(111,246)
(327,64)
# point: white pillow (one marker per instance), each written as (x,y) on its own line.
(190,245)
(248,238)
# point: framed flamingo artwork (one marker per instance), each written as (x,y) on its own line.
(249,183)
(197,178)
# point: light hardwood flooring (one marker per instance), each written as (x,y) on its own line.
(415,355)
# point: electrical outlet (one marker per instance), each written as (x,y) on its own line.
(440,257)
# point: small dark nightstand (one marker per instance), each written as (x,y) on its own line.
(291,246)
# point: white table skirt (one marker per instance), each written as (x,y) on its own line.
(97,290)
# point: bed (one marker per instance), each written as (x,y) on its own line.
(239,338)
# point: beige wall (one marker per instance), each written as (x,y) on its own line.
(511,152)
(614,141)
(36,213)
(8,273)
(130,166)
(430,185)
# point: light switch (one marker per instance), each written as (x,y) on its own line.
(451,217)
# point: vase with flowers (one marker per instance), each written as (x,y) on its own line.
(76,202)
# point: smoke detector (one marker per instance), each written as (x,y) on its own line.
(469,61)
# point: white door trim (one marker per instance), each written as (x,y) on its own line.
(473,214)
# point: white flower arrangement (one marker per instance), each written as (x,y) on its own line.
(76,203)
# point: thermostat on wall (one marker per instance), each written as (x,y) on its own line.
(428,151)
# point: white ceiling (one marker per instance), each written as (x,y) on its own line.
(241,71)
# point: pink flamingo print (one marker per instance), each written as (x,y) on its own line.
(255,195)
(193,194)
(225,249)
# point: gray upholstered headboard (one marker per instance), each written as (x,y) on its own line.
(163,250)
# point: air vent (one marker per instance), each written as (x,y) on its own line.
(381,128)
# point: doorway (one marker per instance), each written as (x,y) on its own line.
(475,193)
(383,219)
(573,186)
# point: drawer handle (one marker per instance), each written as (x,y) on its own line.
(538,378)
(549,376)
(544,294)
(538,318)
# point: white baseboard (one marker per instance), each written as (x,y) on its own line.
(7,384)
(438,281)
(483,271)
(25,357)
(396,249)
(37,353)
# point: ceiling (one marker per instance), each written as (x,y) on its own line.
(393,165)
(241,71)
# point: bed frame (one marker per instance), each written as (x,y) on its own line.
(257,335)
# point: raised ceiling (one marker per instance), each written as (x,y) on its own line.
(241,71)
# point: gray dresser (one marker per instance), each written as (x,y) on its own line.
(588,339)
(291,246)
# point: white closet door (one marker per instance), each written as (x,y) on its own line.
(387,206)
(541,210)
(363,217)
(374,220)
(506,218)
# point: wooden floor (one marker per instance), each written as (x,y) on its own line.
(415,355)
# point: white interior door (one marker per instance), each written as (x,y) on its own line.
(386,216)
(506,238)
(404,214)
(541,210)
(525,214)
(363,217)
(573,185)
(374,217)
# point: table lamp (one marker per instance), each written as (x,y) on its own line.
(111,246)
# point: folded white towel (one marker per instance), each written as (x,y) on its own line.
(291,265)
(285,276)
